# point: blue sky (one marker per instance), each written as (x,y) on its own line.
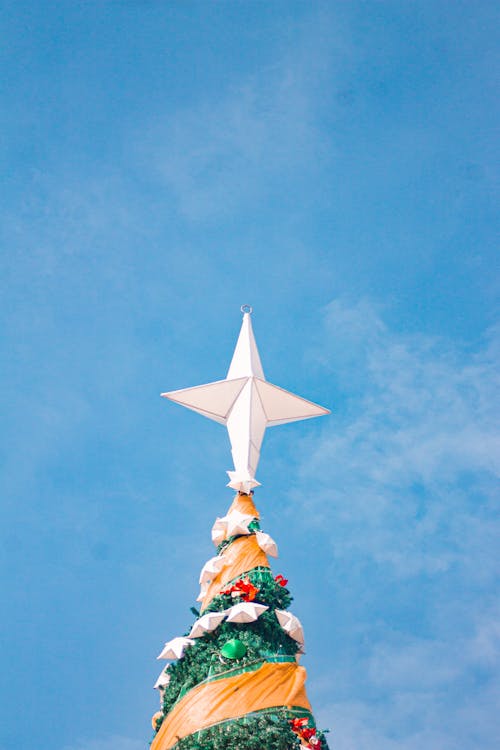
(333,164)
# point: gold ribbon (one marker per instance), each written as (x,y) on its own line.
(274,685)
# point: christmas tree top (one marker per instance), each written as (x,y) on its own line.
(234,681)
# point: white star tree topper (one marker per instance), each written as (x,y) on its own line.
(246,403)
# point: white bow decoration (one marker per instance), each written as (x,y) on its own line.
(211,569)
(267,543)
(245,612)
(290,625)
(234,524)
(162,681)
(207,623)
(203,591)
(174,649)
(218,531)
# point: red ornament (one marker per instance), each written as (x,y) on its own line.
(308,734)
(281,581)
(299,724)
(244,589)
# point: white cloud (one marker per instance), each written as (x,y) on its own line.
(422,693)
(406,484)
(214,157)
(426,664)
(363,726)
(217,154)
(410,464)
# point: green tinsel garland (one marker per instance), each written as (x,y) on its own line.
(253,732)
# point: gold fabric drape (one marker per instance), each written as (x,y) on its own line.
(273,685)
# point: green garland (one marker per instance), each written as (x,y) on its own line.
(270,732)
(266,731)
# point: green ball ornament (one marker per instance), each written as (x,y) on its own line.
(233,649)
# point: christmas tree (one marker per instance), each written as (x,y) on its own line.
(235,681)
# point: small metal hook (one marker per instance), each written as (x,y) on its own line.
(246,309)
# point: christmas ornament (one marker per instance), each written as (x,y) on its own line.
(281,581)
(299,724)
(306,734)
(233,649)
(244,589)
